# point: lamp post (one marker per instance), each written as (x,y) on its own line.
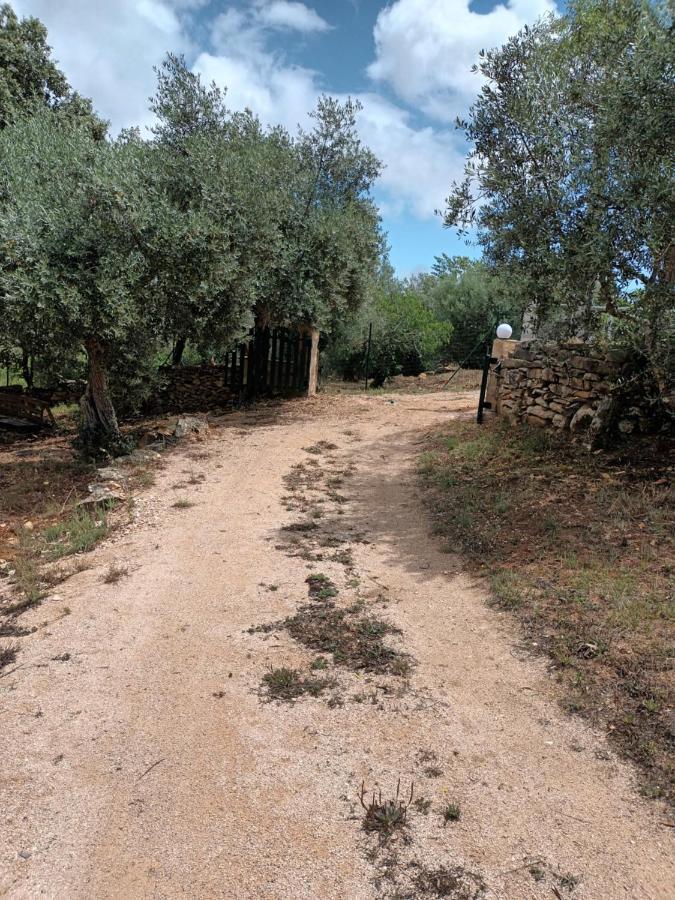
(504,332)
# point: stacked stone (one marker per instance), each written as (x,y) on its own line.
(192,388)
(564,386)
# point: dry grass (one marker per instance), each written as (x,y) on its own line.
(114,573)
(354,640)
(455,882)
(579,547)
(8,654)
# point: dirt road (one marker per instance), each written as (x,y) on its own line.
(141,758)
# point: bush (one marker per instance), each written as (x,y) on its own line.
(472,300)
(406,338)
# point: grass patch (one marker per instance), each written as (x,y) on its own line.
(182,503)
(451,813)
(288,684)
(579,546)
(27,580)
(320,447)
(354,641)
(80,532)
(321,587)
(300,527)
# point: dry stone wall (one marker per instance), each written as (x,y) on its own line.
(568,387)
(192,388)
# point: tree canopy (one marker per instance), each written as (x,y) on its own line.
(570,179)
(111,248)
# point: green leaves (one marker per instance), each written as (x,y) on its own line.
(570,182)
(128,244)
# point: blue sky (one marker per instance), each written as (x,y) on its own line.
(407,61)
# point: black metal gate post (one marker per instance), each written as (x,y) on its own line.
(487,362)
(370,338)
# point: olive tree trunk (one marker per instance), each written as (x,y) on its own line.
(99,430)
(178,350)
(27,368)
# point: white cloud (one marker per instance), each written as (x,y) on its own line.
(425,48)
(278,94)
(107,48)
(420,163)
(296,16)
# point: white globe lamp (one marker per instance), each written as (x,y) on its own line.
(504,331)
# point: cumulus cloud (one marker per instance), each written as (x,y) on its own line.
(424,49)
(420,163)
(297,16)
(277,94)
(108,49)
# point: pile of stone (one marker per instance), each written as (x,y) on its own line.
(568,386)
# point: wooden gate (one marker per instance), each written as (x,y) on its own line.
(272,361)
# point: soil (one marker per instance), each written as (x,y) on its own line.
(141,756)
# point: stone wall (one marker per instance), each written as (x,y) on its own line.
(568,387)
(191,388)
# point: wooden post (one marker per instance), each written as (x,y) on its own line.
(313,362)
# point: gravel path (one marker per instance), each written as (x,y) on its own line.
(146,762)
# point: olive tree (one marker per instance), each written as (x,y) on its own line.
(75,221)
(569,181)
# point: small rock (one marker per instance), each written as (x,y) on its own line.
(187,425)
(25,854)
(582,418)
(142,455)
(28,526)
(102,493)
(111,473)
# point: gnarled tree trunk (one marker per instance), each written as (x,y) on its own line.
(99,430)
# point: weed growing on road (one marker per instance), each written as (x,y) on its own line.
(320,447)
(114,573)
(321,587)
(452,881)
(8,654)
(348,636)
(385,816)
(451,813)
(422,805)
(355,642)
(289,684)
